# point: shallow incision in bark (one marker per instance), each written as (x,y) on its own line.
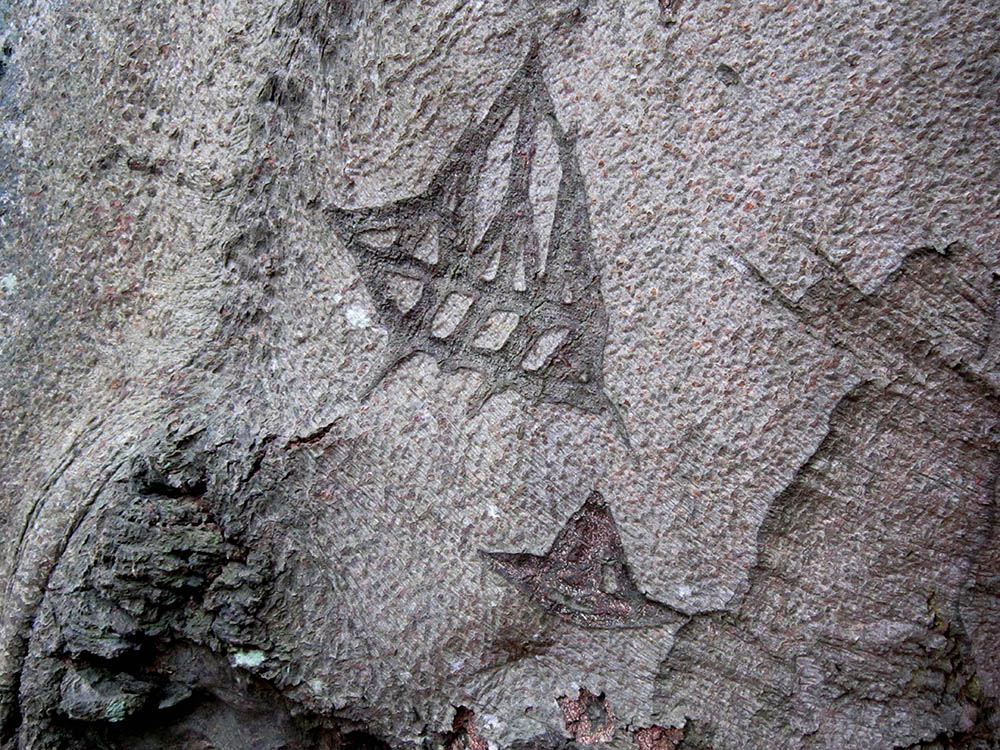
(492,268)
(585,577)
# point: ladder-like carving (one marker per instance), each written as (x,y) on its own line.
(492,267)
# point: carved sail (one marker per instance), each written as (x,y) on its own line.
(492,268)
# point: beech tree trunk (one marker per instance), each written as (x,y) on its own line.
(499,375)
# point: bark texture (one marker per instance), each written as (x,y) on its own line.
(499,375)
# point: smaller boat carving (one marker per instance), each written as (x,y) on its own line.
(584,577)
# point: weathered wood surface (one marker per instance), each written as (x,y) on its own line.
(246,494)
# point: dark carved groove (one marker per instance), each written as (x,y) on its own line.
(507,266)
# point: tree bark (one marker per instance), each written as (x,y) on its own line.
(511,375)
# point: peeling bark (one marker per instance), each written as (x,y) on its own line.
(243,494)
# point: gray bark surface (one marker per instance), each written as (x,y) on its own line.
(729,481)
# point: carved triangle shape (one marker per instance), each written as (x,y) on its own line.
(585,577)
(505,223)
